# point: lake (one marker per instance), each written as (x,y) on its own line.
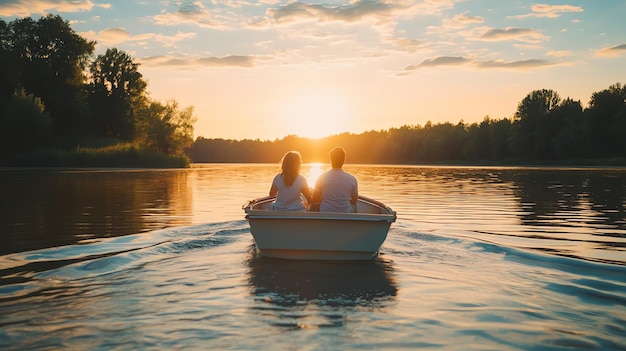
(484,258)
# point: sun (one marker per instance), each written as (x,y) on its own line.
(316,113)
(311,172)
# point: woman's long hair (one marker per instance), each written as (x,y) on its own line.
(291,167)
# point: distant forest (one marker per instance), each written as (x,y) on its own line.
(61,106)
(545,129)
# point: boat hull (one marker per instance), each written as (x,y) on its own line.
(319,235)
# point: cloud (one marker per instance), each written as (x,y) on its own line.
(190,13)
(113,36)
(297,11)
(548,11)
(612,51)
(462,20)
(25,8)
(356,11)
(463,61)
(405,44)
(224,61)
(525,35)
(519,64)
(171,40)
(440,61)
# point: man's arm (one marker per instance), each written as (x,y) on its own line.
(354,195)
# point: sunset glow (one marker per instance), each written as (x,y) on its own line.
(316,114)
(265,70)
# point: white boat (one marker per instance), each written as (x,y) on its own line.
(319,235)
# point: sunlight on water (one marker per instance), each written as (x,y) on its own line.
(312,171)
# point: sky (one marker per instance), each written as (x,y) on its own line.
(271,68)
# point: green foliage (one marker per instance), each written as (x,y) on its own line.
(607,124)
(116,93)
(166,128)
(47,58)
(118,156)
(49,106)
(534,125)
(23,123)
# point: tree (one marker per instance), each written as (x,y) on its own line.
(49,59)
(531,136)
(569,140)
(116,94)
(478,145)
(607,124)
(9,75)
(166,128)
(608,102)
(24,124)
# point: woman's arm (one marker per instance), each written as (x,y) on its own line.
(306,192)
(273,190)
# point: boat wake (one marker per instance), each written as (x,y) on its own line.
(107,292)
(95,257)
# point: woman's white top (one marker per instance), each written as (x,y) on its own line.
(289,197)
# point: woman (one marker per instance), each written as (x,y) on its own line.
(289,185)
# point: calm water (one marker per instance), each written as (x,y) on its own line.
(480,258)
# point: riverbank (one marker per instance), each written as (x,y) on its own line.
(601,162)
(117,156)
(129,156)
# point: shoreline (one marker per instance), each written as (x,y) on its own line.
(191,165)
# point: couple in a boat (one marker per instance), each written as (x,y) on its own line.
(335,190)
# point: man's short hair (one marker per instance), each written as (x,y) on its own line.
(337,157)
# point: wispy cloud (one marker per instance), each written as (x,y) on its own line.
(612,51)
(405,44)
(525,35)
(24,8)
(464,61)
(440,61)
(357,11)
(109,36)
(462,20)
(238,14)
(518,64)
(114,36)
(298,11)
(189,13)
(223,61)
(548,11)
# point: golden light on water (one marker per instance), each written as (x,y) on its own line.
(312,172)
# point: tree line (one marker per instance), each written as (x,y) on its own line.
(545,129)
(54,94)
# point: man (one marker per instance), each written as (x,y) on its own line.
(336,190)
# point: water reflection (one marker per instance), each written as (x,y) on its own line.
(572,197)
(575,198)
(53,208)
(302,294)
